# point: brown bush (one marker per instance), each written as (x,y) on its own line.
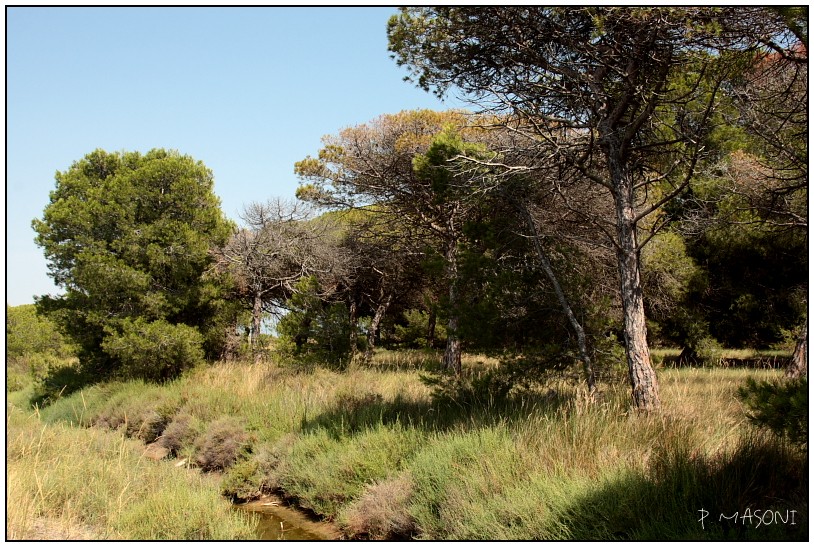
(144,424)
(383,511)
(179,433)
(223,443)
(147,426)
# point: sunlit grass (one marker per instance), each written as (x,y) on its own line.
(339,442)
(64,482)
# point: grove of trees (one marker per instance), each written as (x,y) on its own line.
(629,176)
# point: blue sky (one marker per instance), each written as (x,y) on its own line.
(248,91)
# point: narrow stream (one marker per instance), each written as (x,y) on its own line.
(278,522)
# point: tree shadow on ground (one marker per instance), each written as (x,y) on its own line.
(746,494)
(756,363)
(443,411)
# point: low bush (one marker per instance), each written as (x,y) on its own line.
(223,443)
(780,406)
(382,511)
(57,380)
(180,433)
(143,410)
(243,481)
(154,351)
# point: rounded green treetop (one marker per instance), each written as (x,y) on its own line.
(128,237)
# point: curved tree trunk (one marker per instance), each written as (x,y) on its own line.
(587,366)
(798,366)
(373,331)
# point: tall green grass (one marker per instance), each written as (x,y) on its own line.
(372,449)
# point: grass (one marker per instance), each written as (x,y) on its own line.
(372,449)
(726,357)
(70,483)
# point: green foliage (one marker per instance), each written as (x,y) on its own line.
(56,380)
(34,350)
(414,333)
(241,482)
(28,333)
(752,267)
(154,351)
(779,406)
(314,329)
(667,273)
(128,237)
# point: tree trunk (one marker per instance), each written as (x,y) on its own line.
(452,354)
(642,375)
(257,316)
(431,327)
(798,366)
(587,366)
(303,333)
(353,328)
(381,309)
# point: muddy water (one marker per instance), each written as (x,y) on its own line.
(277,522)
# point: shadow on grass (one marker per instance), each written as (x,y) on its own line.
(352,414)
(759,491)
(768,362)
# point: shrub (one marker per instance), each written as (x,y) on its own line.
(478,390)
(780,406)
(154,351)
(414,333)
(242,482)
(179,433)
(29,333)
(224,443)
(143,410)
(147,427)
(383,511)
(58,380)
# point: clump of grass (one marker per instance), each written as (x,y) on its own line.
(177,513)
(325,473)
(455,475)
(223,443)
(664,501)
(382,511)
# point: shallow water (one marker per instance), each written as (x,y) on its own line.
(278,522)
